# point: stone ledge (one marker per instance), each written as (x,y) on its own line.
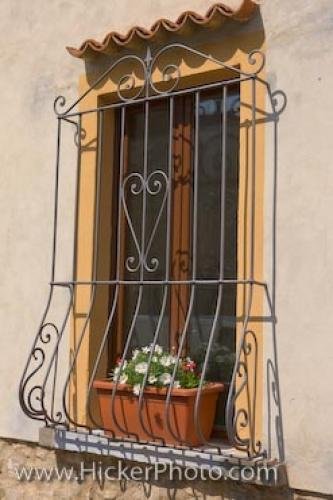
(206,459)
(15,454)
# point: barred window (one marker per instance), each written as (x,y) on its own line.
(178,225)
(165,203)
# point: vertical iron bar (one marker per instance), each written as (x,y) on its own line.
(143,235)
(231,415)
(95,260)
(76,209)
(116,293)
(53,358)
(144,192)
(194,264)
(221,267)
(55,211)
(252,404)
(169,205)
(167,264)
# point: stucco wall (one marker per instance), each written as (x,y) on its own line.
(299,38)
(35,68)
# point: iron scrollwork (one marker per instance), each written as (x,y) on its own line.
(37,390)
(156,183)
(32,394)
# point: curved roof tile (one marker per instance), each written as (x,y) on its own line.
(114,40)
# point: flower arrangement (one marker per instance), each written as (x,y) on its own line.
(162,366)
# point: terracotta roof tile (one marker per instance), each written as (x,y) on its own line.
(114,40)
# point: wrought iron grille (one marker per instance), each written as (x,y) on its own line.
(46,394)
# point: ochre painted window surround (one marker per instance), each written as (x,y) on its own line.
(192,74)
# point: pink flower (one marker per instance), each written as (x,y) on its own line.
(190,365)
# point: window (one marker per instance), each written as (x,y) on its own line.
(166,223)
(181,228)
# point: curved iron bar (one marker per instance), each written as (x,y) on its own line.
(136,188)
(150,357)
(54,358)
(237,441)
(147,64)
(197,406)
(232,418)
(99,355)
(80,133)
(130,86)
(23,381)
(30,412)
(273,393)
(59,414)
(67,414)
(54,381)
(167,76)
(123,359)
(252,60)
(174,373)
(256,446)
(154,190)
(60,101)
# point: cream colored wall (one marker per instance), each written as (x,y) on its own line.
(34,68)
(299,39)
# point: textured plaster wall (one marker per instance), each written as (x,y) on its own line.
(299,38)
(34,68)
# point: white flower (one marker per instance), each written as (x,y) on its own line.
(152,379)
(146,349)
(176,384)
(167,360)
(125,364)
(141,367)
(116,373)
(135,354)
(136,389)
(154,359)
(158,349)
(165,378)
(123,379)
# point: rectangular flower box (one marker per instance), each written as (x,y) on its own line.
(181,411)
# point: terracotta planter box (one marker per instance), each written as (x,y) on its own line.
(126,411)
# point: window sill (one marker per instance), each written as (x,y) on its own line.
(203,457)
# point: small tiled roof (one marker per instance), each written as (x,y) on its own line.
(114,40)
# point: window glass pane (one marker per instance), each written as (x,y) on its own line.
(209,232)
(155,220)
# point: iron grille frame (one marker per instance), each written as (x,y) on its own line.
(32,393)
